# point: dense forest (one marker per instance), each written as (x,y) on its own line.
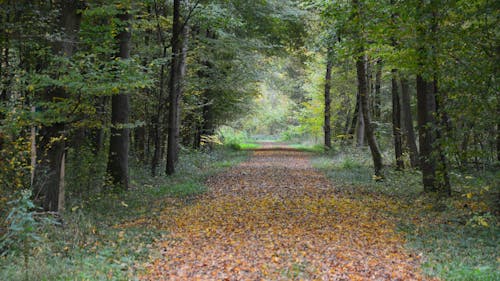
(106,106)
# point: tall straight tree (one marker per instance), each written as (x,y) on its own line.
(328,101)
(120,111)
(432,161)
(396,120)
(47,180)
(409,132)
(363,88)
(177,73)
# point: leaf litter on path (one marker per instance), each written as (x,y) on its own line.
(274,217)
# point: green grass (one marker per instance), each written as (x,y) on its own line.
(309,148)
(95,242)
(244,146)
(458,237)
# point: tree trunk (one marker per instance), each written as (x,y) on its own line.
(179,50)
(363,91)
(409,132)
(327,111)
(426,107)
(47,179)
(157,124)
(377,96)
(432,159)
(354,121)
(140,143)
(363,94)
(360,126)
(120,111)
(396,121)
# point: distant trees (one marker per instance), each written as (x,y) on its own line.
(328,101)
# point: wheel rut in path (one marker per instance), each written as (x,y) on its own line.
(274,217)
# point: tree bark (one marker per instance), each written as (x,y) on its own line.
(120,111)
(377,96)
(396,121)
(370,134)
(354,120)
(327,110)
(47,179)
(363,92)
(426,108)
(360,126)
(179,51)
(432,159)
(409,132)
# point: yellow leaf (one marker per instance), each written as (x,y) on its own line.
(124,204)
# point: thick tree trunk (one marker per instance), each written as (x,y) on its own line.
(179,50)
(409,132)
(369,130)
(426,107)
(49,169)
(432,159)
(396,121)
(120,111)
(327,110)
(47,174)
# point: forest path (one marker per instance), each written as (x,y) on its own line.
(274,217)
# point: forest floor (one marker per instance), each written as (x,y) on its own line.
(275,217)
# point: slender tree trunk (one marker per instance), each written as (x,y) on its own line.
(409,132)
(157,127)
(354,121)
(360,126)
(441,133)
(370,134)
(327,110)
(140,143)
(179,49)
(47,180)
(396,121)
(364,94)
(120,111)
(377,103)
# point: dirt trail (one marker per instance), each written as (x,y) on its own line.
(276,218)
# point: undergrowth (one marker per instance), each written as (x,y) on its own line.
(458,237)
(94,241)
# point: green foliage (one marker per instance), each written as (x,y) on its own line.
(21,227)
(22,235)
(234,139)
(97,243)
